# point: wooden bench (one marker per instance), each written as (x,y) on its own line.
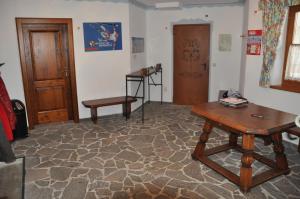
(295,131)
(94,104)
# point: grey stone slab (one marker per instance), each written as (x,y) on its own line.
(46,151)
(178,156)
(93,164)
(218,189)
(193,170)
(46,164)
(71,164)
(103,192)
(177,175)
(128,155)
(36,174)
(63,154)
(42,183)
(76,189)
(161,181)
(95,174)
(90,195)
(207,193)
(153,189)
(59,185)
(190,194)
(120,195)
(60,173)
(170,191)
(182,184)
(34,192)
(142,196)
(117,176)
(79,171)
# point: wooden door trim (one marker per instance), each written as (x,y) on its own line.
(209,53)
(29,106)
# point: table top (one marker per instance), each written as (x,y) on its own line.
(252,119)
(145,71)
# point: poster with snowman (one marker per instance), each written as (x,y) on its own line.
(102,36)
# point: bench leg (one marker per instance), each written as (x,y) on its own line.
(127,112)
(94,115)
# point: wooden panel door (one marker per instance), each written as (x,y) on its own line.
(48,69)
(191,64)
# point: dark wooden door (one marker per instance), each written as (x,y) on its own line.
(191,64)
(48,69)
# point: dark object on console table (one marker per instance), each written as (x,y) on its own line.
(244,121)
(94,104)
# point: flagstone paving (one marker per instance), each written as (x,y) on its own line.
(128,159)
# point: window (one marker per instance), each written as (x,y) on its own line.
(291,70)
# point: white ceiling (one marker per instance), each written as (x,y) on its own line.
(188,3)
(178,3)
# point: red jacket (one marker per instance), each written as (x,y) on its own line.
(7,115)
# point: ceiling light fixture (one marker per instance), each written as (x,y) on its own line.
(163,5)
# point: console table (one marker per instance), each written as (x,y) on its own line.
(140,77)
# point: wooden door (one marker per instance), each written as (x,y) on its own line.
(46,51)
(191,64)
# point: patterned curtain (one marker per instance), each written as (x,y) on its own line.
(273,14)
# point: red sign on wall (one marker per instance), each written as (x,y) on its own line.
(254,42)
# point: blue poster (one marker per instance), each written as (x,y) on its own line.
(102,36)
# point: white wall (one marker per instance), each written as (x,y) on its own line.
(282,100)
(244,48)
(137,16)
(224,19)
(99,74)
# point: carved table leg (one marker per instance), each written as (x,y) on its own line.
(94,115)
(233,138)
(281,161)
(199,149)
(247,160)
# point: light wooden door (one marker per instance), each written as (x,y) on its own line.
(48,69)
(191,64)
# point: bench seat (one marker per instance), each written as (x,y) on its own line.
(94,104)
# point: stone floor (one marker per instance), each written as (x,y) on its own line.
(119,159)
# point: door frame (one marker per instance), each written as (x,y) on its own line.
(72,74)
(199,22)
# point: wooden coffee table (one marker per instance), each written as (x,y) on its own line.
(249,122)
